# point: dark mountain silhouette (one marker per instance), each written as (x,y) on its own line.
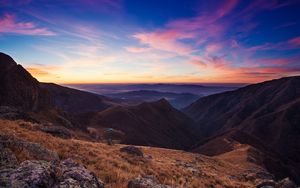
(268,112)
(150,123)
(178,100)
(19,88)
(76,101)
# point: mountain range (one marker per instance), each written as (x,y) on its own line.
(258,123)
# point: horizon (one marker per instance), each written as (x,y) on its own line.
(150,42)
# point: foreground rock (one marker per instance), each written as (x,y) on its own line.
(30,149)
(284,183)
(46,171)
(132,150)
(147,182)
(75,175)
(46,174)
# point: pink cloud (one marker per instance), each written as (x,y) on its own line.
(295,41)
(166,40)
(199,29)
(213,47)
(10,25)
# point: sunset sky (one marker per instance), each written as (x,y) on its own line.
(128,41)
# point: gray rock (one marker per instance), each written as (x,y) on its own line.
(132,150)
(75,175)
(57,131)
(286,183)
(33,174)
(34,150)
(266,183)
(146,182)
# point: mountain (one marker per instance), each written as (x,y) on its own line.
(178,100)
(19,88)
(150,123)
(267,112)
(195,89)
(76,101)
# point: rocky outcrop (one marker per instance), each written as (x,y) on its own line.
(30,149)
(37,173)
(74,174)
(284,183)
(57,131)
(33,174)
(47,171)
(147,182)
(132,150)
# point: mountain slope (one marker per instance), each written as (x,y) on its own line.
(267,111)
(76,101)
(18,88)
(150,123)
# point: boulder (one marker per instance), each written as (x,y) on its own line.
(33,174)
(33,150)
(132,150)
(266,183)
(146,182)
(75,175)
(286,183)
(57,131)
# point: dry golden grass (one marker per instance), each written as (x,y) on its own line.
(115,168)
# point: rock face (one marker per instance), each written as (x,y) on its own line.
(132,150)
(18,88)
(146,182)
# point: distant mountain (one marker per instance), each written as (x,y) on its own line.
(76,101)
(195,89)
(150,123)
(268,112)
(178,100)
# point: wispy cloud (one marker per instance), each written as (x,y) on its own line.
(9,24)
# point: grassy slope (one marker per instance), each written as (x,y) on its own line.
(115,168)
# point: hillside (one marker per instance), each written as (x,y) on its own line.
(18,88)
(268,112)
(116,168)
(150,123)
(76,101)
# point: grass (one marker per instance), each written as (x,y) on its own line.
(115,168)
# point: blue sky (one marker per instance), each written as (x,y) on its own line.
(126,41)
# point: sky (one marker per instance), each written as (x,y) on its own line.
(153,41)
